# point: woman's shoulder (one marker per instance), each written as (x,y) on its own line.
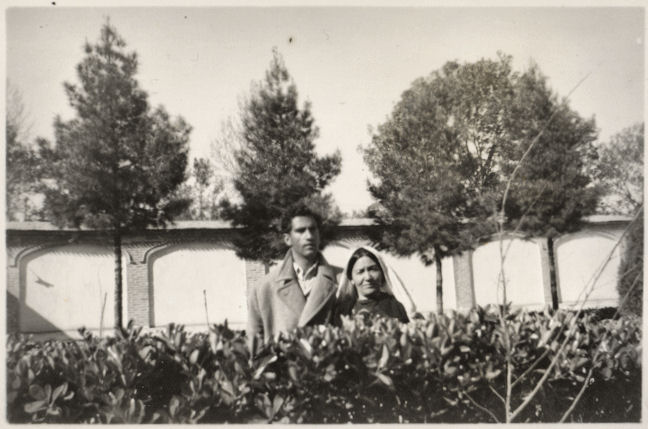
(394,307)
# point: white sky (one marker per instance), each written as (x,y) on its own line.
(351,63)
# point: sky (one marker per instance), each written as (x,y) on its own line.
(351,63)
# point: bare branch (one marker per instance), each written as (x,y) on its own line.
(529,369)
(484,409)
(546,352)
(578,397)
(589,286)
(591,370)
(533,143)
(497,394)
(573,325)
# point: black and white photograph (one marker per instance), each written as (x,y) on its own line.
(323,213)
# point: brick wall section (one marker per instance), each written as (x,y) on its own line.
(140,290)
(138,298)
(463,277)
(255,271)
(13,298)
(137,280)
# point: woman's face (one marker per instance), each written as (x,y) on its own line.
(367,277)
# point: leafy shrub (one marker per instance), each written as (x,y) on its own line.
(438,369)
(631,270)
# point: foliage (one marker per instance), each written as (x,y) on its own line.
(23,164)
(552,190)
(277,166)
(630,277)
(433,157)
(116,165)
(440,369)
(443,158)
(204,187)
(620,169)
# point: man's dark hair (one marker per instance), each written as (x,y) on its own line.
(295,211)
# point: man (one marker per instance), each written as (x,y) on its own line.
(300,291)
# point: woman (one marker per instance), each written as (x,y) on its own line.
(366,287)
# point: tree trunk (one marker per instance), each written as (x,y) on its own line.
(118,278)
(439,281)
(552,273)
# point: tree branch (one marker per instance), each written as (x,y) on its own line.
(497,394)
(484,409)
(529,369)
(578,396)
(598,350)
(573,324)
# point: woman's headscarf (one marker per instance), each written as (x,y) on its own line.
(392,284)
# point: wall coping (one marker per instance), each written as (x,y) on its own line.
(178,225)
(223,225)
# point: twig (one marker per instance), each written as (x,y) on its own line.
(533,143)
(529,369)
(592,282)
(578,397)
(484,409)
(555,359)
(598,350)
(519,224)
(497,393)
(509,369)
(101,318)
(585,288)
(206,312)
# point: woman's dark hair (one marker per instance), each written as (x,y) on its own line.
(348,294)
(357,255)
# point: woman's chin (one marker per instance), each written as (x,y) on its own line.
(369,293)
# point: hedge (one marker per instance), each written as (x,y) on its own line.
(630,272)
(434,369)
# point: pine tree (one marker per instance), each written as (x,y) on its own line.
(443,158)
(435,161)
(553,190)
(116,165)
(276,166)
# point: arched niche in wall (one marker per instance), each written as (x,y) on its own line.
(579,257)
(66,287)
(185,276)
(522,272)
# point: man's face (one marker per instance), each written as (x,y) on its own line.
(303,237)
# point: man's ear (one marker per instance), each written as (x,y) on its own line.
(287,240)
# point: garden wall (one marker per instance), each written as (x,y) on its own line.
(60,280)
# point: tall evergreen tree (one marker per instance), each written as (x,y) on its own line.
(276,166)
(435,161)
(443,158)
(553,190)
(116,165)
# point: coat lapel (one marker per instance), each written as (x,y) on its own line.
(288,288)
(322,291)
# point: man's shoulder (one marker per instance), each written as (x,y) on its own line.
(270,276)
(334,270)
